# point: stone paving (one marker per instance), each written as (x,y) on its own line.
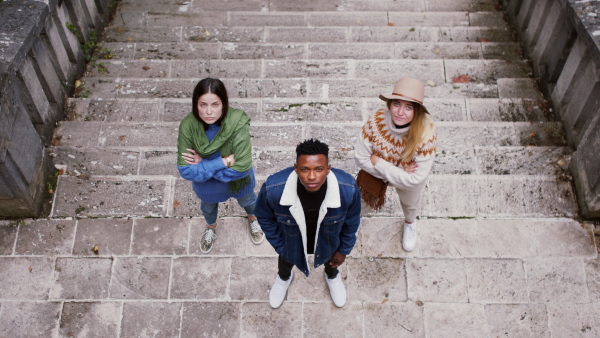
(501,251)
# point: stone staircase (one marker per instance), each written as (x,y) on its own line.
(499,239)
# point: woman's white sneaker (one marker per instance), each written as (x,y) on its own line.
(409,236)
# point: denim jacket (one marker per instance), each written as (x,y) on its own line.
(280,214)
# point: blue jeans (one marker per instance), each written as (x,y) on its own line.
(211,210)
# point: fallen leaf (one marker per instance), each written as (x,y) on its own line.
(96,249)
(384,301)
(54,142)
(61,171)
(561,162)
(146,68)
(461,79)
(121,138)
(142,58)
(206,32)
(344,149)
(437,50)
(431,83)
(84,177)
(30,269)
(77,83)
(391,24)
(176,204)
(411,30)
(419,303)
(484,40)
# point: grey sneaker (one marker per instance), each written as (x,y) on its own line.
(256,232)
(207,240)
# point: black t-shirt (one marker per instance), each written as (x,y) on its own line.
(311,203)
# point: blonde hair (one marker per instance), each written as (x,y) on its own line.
(421,130)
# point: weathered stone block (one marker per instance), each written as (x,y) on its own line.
(404,319)
(307,34)
(518,320)
(570,318)
(376,280)
(216,68)
(496,281)
(318,317)
(45,237)
(232,50)
(217,34)
(81,278)
(465,320)
(138,135)
(261,270)
(437,280)
(104,237)
(166,319)
(355,51)
(158,236)
(224,317)
(25,278)
(556,280)
(198,278)
(140,278)
(23,319)
(109,197)
(95,161)
(259,321)
(84,318)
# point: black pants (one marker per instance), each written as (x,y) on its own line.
(285,269)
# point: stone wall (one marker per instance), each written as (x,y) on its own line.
(39,61)
(562,38)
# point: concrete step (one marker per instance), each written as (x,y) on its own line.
(319,19)
(290,5)
(342,135)
(441,238)
(316,89)
(459,160)
(445,196)
(292,51)
(288,35)
(378,71)
(303,109)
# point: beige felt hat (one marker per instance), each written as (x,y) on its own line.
(407,89)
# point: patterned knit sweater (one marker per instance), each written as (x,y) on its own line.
(381,137)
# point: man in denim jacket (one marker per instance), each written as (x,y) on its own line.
(310,209)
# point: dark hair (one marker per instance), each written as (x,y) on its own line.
(312,147)
(216,87)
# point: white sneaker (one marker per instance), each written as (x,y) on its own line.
(337,290)
(409,236)
(279,290)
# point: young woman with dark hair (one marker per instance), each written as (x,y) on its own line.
(215,153)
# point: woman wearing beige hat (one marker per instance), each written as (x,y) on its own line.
(397,145)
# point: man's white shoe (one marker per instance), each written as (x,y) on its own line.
(337,290)
(409,236)
(279,290)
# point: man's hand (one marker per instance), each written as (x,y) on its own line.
(337,260)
